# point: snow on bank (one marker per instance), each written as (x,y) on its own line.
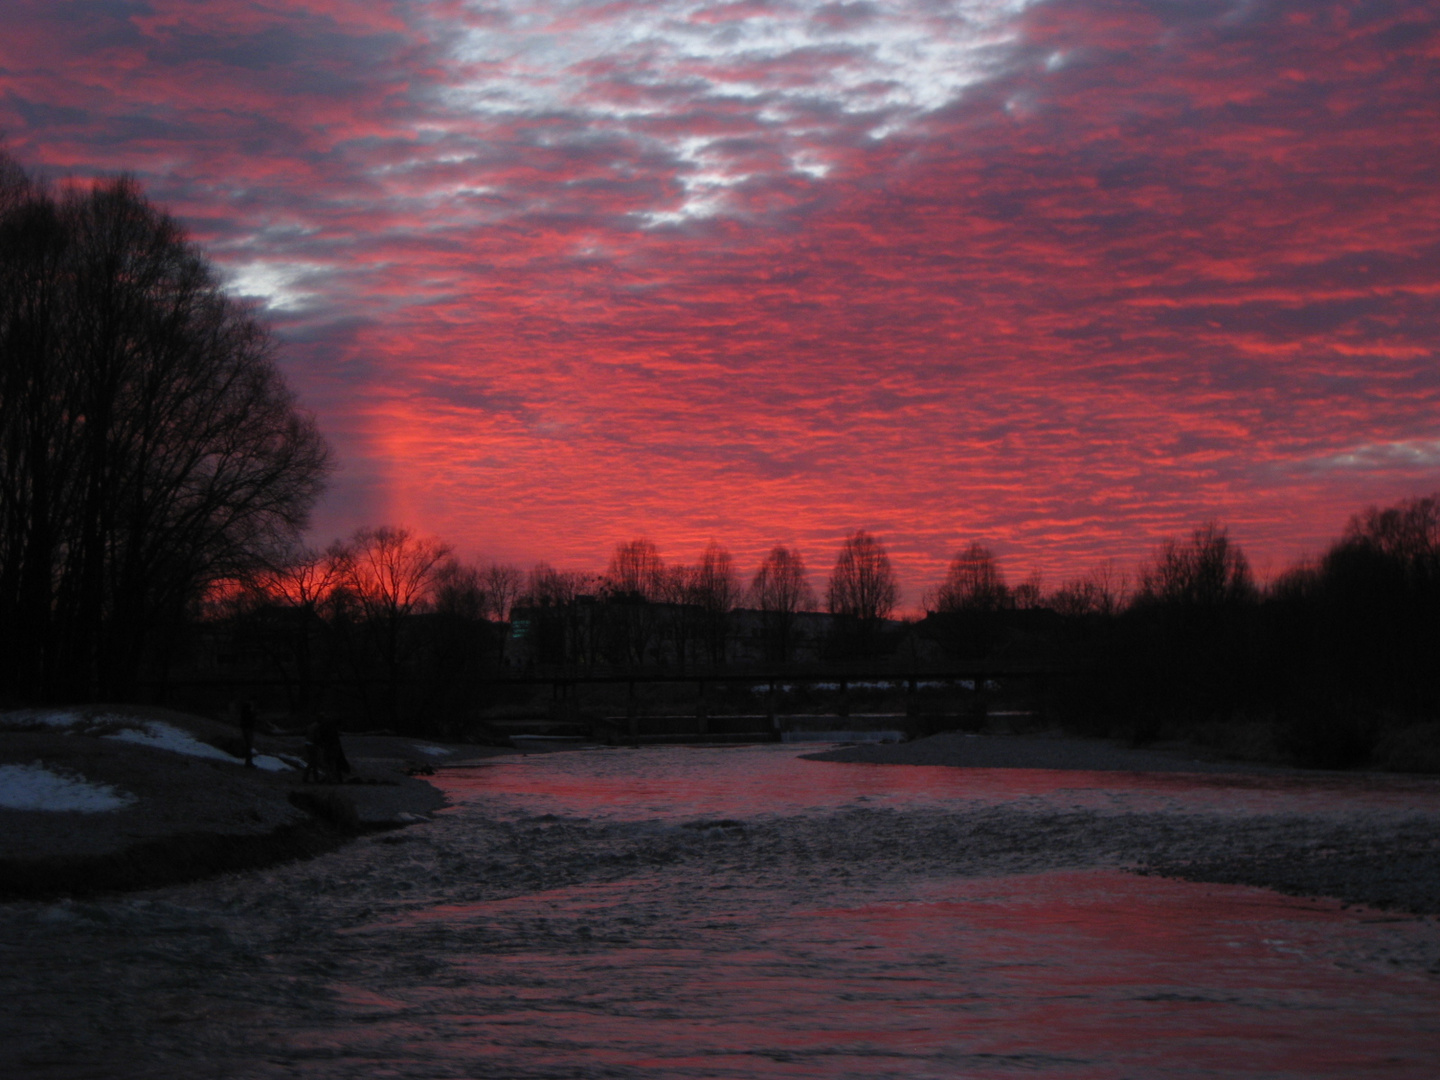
(34,787)
(162,736)
(155,734)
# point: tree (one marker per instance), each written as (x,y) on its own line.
(862,585)
(1375,608)
(1406,535)
(634,579)
(716,592)
(547,587)
(1099,592)
(1207,572)
(974,582)
(636,570)
(861,594)
(780,588)
(294,593)
(389,574)
(148,445)
(561,621)
(460,592)
(503,585)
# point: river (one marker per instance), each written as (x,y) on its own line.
(743,912)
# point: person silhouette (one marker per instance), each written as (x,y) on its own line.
(242,713)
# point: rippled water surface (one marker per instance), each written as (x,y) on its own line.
(709,912)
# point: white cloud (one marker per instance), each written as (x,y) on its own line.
(280,285)
(594,65)
(1408,453)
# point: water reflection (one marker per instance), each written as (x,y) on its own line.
(675,783)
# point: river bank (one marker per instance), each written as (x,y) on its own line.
(108,799)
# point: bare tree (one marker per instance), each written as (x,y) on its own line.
(503,585)
(460,591)
(681,618)
(296,592)
(636,570)
(862,585)
(1207,571)
(547,587)
(1099,592)
(716,592)
(561,616)
(390,574)
(1030,593)
(1407,534)
(974,582)
(148,445)
(780,588)
(633,580)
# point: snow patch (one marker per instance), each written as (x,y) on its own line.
(152,733)
(433,751)
(160,736)
(34,787)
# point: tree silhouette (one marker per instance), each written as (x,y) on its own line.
(779,589)
(635,570)
(389,574)
(633,580)
(862,585)
(1207,571)
(974,582)
(862,590)
(148,445)
(715,592)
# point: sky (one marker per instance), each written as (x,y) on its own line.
(1064,277)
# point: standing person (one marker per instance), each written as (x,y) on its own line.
(312,754)
(332,751)
(242,712)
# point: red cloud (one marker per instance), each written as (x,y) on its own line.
(1160,264)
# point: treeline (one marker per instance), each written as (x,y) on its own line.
(398,627)
(1333,665)
(148,445)
(1322,666)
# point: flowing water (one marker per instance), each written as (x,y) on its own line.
(743,912)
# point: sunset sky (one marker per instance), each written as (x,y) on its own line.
(1063,277)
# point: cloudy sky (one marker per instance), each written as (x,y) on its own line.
(1063,276)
